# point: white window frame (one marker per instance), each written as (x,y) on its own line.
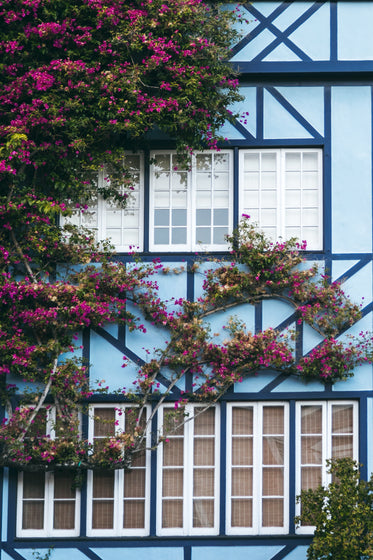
(188,447)
(257,528)
(280,189)
(101,230)
(326,444)
(48,530)
(191,194)
(119,475)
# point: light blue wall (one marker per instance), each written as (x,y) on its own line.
(351,169)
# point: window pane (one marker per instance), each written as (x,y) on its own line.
(134,483)
(173,452)
(179,236)
(242,482)
(242,451)
(273,512)
(204,451)
(203,235)
(342,419)
(33,485)
(172,513)
(311,421)
(104,422)
(63,486)
(273,482)
(203,217)
(203,513)
(204,422)
(273,450)
(103,514)
(64,515)
(273,420)
(33,515)
(203,482)
(103,485)
(311,477)
(242,420)
(312,450)
(173,482)
(242,513)
(342,446)
(134,514)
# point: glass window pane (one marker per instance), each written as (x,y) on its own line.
(103,514)
(103,484)
(203,482)
(273,450)
(203,235)
(311,420)
(221,217)
(203,513)
(173,452)
(292,161)
(220,236)
(33,515)
(273,512)
(161,217)
(134,514)
(172,482)
(179,217)
(63,486)
(242,513)
(134,483)
(161,236)
(33,485)
(204,422)
(104,422)
(242,420)
(242,481)
(179,236)
(251,161)
(273,482)
(342,419)
(242,451)
(204,451)
(203,217)
(64,515)
(172,513)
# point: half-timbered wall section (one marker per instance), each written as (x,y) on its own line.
(299,161)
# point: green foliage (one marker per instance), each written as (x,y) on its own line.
(342,514)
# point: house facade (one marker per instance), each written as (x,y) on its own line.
(299,162)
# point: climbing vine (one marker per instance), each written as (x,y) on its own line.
(44,313)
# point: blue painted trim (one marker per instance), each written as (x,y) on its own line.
(292,463)
(236,193)
(164,542)
(327,177)
(304,68)
(12,504)
(363,437)
(260,142)
(223,466)
(258,317)
(353,270)
(259,114)
(262,26)
(242,130)
(298,340)
(12,553)
(333,31)
(283,36)
(153,483)
(146,200)
(267,389)
(284,552)
(187,552)
(89,553)
(265,395)
(290,109)
(86,352)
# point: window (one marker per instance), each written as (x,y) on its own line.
(324,430)
(118,501)
(282,191)
(49,504)
(257,468)
(190,210)
(188,474)
(124,227)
